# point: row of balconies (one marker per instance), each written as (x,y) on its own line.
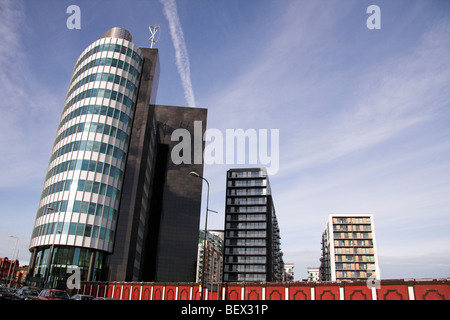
(352,235)
(352,220)
(247,174)
(352,244)
(248,234)
(247,201)
(247,183)
(352,227)
(246,225)
(355,266)
(246,242)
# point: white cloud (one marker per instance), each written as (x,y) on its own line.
(26,106)
(11,71)
(181,52)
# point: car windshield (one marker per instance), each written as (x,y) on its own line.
(59,294)
(31,293)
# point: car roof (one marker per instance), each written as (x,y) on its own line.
(56,290)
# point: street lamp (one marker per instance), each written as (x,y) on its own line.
(50,258)
(196,175)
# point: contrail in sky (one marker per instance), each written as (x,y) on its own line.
(181,54)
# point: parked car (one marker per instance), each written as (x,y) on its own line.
(27,294)
(30,287)
(81,297)
(7,294)
(53,294)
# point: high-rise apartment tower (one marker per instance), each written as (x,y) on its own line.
(252,249)
(213,258)
(349,248)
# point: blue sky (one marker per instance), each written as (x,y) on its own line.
(363,115)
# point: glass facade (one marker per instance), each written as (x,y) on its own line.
(77,214)
(87,260)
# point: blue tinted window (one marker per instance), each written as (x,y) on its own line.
(65,228)
(85,165)
(80,185)
(88,186)
(99,210)
(102,233)
(84,207)
(72,228)
(76,206)
(95,187)
(92,165)
(80,229)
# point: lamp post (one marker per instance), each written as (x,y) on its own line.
(50,258)
(196,175)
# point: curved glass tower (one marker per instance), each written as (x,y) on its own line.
(113,203)
(77,215)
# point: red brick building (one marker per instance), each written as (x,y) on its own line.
(8,270)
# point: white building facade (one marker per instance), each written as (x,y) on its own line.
(349,250)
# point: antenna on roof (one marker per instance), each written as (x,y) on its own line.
(153,38)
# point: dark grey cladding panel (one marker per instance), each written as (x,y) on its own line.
(180,219)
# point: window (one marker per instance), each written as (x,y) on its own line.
(59,228)
(95,232)
(76,206)
(80,229)
(87,230)
(99,210)
(88,186)
(102,233)
(95,187)
(72,228)
(92,206)
(102,190)
(80,185)
(66,228)
(84,207)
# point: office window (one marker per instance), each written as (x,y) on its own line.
(80,229)
(87,230)
(72,228)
